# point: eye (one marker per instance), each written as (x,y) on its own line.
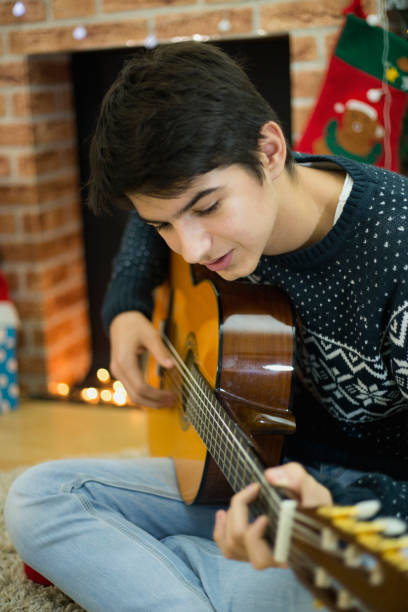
(160,227)
(209,210)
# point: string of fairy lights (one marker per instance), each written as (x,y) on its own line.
(109,391)
(80,32)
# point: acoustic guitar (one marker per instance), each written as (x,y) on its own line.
(233,345)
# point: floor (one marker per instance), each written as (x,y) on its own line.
(42,430)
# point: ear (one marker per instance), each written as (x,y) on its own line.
(272,148)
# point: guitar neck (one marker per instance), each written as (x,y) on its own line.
(234,454)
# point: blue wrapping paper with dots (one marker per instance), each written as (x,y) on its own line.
(9,391)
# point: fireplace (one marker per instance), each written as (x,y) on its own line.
(43,227)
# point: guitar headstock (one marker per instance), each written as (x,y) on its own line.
(350,563)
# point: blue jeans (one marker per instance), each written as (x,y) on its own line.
(114,535)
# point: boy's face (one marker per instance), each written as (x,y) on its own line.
(224,220)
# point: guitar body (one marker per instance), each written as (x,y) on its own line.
(241,338)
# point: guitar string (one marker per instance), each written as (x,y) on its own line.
(184,396)
(267,489)
(275,500)
(298,528)
(303,533)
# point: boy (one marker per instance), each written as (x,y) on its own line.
(185,140)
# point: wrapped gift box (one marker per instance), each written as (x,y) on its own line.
(9,391)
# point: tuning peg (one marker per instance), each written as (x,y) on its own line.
(352,555)
(391,526)
(361,511)
(397,559)
(367,509)
(350,525)
(344,600)
(321,578)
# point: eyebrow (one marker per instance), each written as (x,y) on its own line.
(194,200)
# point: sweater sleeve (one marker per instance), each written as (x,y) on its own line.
(392,494)
(140,265)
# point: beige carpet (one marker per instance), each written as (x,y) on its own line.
(17,593)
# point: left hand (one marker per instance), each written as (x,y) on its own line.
(240,540)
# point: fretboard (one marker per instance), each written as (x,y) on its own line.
(232,451)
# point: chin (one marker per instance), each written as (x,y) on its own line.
(228,275)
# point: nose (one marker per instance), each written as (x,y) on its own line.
(192,241)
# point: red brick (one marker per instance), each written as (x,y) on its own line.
(43,279)
(57,188)
(30,308)
(34,11)
(49,40)
(5,168)
(330,44)
(47,132)
(7,224)
(65,9)
(13,73)
(71,242)
(300,116)
(303,48)
(33,103)
(203,22)
(306,83)
(48,220)
(12,134)
(70,297)
(302,14)
(18,194)
(47,161)
(114,6)
(18,251)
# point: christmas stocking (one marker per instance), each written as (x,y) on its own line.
(361,106)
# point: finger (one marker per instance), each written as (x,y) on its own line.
(219,526)
(288,477)
(154,343)
(138,390)
(237,520)
(246,495)
(238,511)
(299,484)
(260,553)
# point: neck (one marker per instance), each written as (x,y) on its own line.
(307,205)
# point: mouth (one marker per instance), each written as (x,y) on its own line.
(220,263)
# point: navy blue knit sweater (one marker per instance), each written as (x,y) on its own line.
(350,291)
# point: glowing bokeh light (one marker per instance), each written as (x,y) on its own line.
(89,394)
(103,375)
(62,388)
(106,395)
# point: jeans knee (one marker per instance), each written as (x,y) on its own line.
(25,509)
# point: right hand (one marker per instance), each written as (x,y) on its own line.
(131,333)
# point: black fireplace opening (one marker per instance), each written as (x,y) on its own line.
(266,60)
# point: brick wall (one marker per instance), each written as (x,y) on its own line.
(40,222)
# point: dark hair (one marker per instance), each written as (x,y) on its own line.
(172,114)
